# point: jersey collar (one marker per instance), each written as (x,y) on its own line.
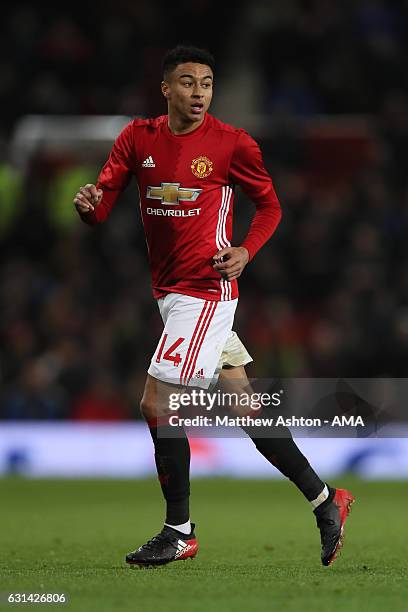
(192,134)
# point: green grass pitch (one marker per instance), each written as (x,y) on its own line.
(259,547)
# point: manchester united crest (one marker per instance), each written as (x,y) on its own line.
(201,167)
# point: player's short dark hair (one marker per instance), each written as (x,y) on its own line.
(183,54)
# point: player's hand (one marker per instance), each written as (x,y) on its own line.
(230,262)
(87,198)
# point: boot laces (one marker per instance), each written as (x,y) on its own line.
(163,536)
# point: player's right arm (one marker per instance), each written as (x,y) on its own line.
(95,202)
(87,198)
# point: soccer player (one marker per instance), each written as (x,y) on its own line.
(187,164)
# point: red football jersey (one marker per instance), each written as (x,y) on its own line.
(186,184)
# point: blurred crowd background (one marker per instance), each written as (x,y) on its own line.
(322,85)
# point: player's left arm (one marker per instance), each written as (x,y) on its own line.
(248,171)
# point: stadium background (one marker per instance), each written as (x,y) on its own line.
(330,290)
(322,85)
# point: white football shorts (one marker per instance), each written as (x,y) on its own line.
(197,341)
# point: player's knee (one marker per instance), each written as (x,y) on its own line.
(148,409)
(241,399)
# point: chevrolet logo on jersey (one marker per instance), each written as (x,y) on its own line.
(172,193)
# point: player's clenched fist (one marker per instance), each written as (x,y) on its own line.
(87,198)
(230,262)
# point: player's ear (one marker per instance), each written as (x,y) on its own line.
(165,89)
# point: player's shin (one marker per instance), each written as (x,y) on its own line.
(172,456)
(285,455)
(279,449)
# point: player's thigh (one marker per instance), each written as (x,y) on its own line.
(234,377)
(234,380)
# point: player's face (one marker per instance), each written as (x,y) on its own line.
(188,90)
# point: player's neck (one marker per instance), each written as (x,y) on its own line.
(178,125)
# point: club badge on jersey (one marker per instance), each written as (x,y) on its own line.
(201,167)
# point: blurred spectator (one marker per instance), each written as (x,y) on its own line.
(102,401)
(35,396)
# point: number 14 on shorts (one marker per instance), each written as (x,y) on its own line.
(170,354)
